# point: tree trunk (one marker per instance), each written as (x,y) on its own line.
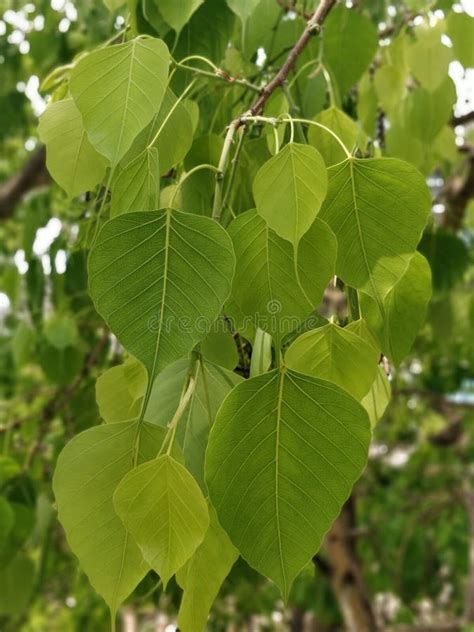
(345,573)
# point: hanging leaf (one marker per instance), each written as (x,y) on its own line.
(378,397)
(202,576)
(178,14)
(289,190)
(377,208)
(174,276)
(270,285)
(278,467)
(163,508)
(219,348)
(349,44)
(461,34)
(71,159)
(117,90)
(343,126)
(87,472)
(243,8)
(403,310)
(119,391)
(137,186)
(428,58)
(335,354)
(426,112)
(212,385)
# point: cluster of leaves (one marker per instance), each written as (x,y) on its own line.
(241,416)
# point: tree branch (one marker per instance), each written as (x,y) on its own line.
(34,174)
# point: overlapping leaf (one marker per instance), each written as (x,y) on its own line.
(279,469)
(137,187)
(160,279)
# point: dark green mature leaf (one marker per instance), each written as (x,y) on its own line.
(272,287)
(16,585)
(403,310)
(289,190)
(71,159)
(87,472)
(202,576)
(278,468)
(335,354)
(377,208)
(163,508)
(349,44)
(117,90)
(160,279)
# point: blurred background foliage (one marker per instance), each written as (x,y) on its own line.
(404,544)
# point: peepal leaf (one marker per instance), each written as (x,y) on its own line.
(177,14)
(71,159)
(289,190)
(163,508)
(202,576)
(137,186)
(159,279)
(335,354)
(279,469)
(378,397)
(117,90)
(87,472)
(378,208)
(342,125)
(270,285)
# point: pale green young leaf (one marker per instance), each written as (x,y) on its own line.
(71,159)
(170,132)
(389,83)
(279,469)
(335,354)
(361,329)
(176,14)
(270,285)
(367,104)
(160,280)
(428,58)
(425,112)
(87,472)
(212,385)
(201,577)
(61,331)
(461,34)
(261,359)
(117,90)
(137,186)
(378,397)
(378,208)
(164,510)
(349,44)
(403,310)
(119,391)
(342,125)
(289,190)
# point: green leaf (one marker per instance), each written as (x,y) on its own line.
(367,104)
(350,42)
(428,59)
(448,256)
(378,208)
(137,185)
(461,34)
(177,14)
(22,343)
(342,126)
(118,89)
(7,521)
(202,576)
(162,507)
(270,285)
(261,359)
(170,132)
(16,586)
(87,472)
(378,397)
(403,310)
(279,469)
(425,113)
(119,391)
(219,348)
(61,331)
(289,190)
(174,275)
(71,159)
(335,354)
(212,385)
(243,8)
(389,83)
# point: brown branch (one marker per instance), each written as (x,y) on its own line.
(463,119)
(34,174)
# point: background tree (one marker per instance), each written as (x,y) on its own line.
(261,96)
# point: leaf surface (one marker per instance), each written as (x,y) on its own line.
(137,186)
(342,125)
